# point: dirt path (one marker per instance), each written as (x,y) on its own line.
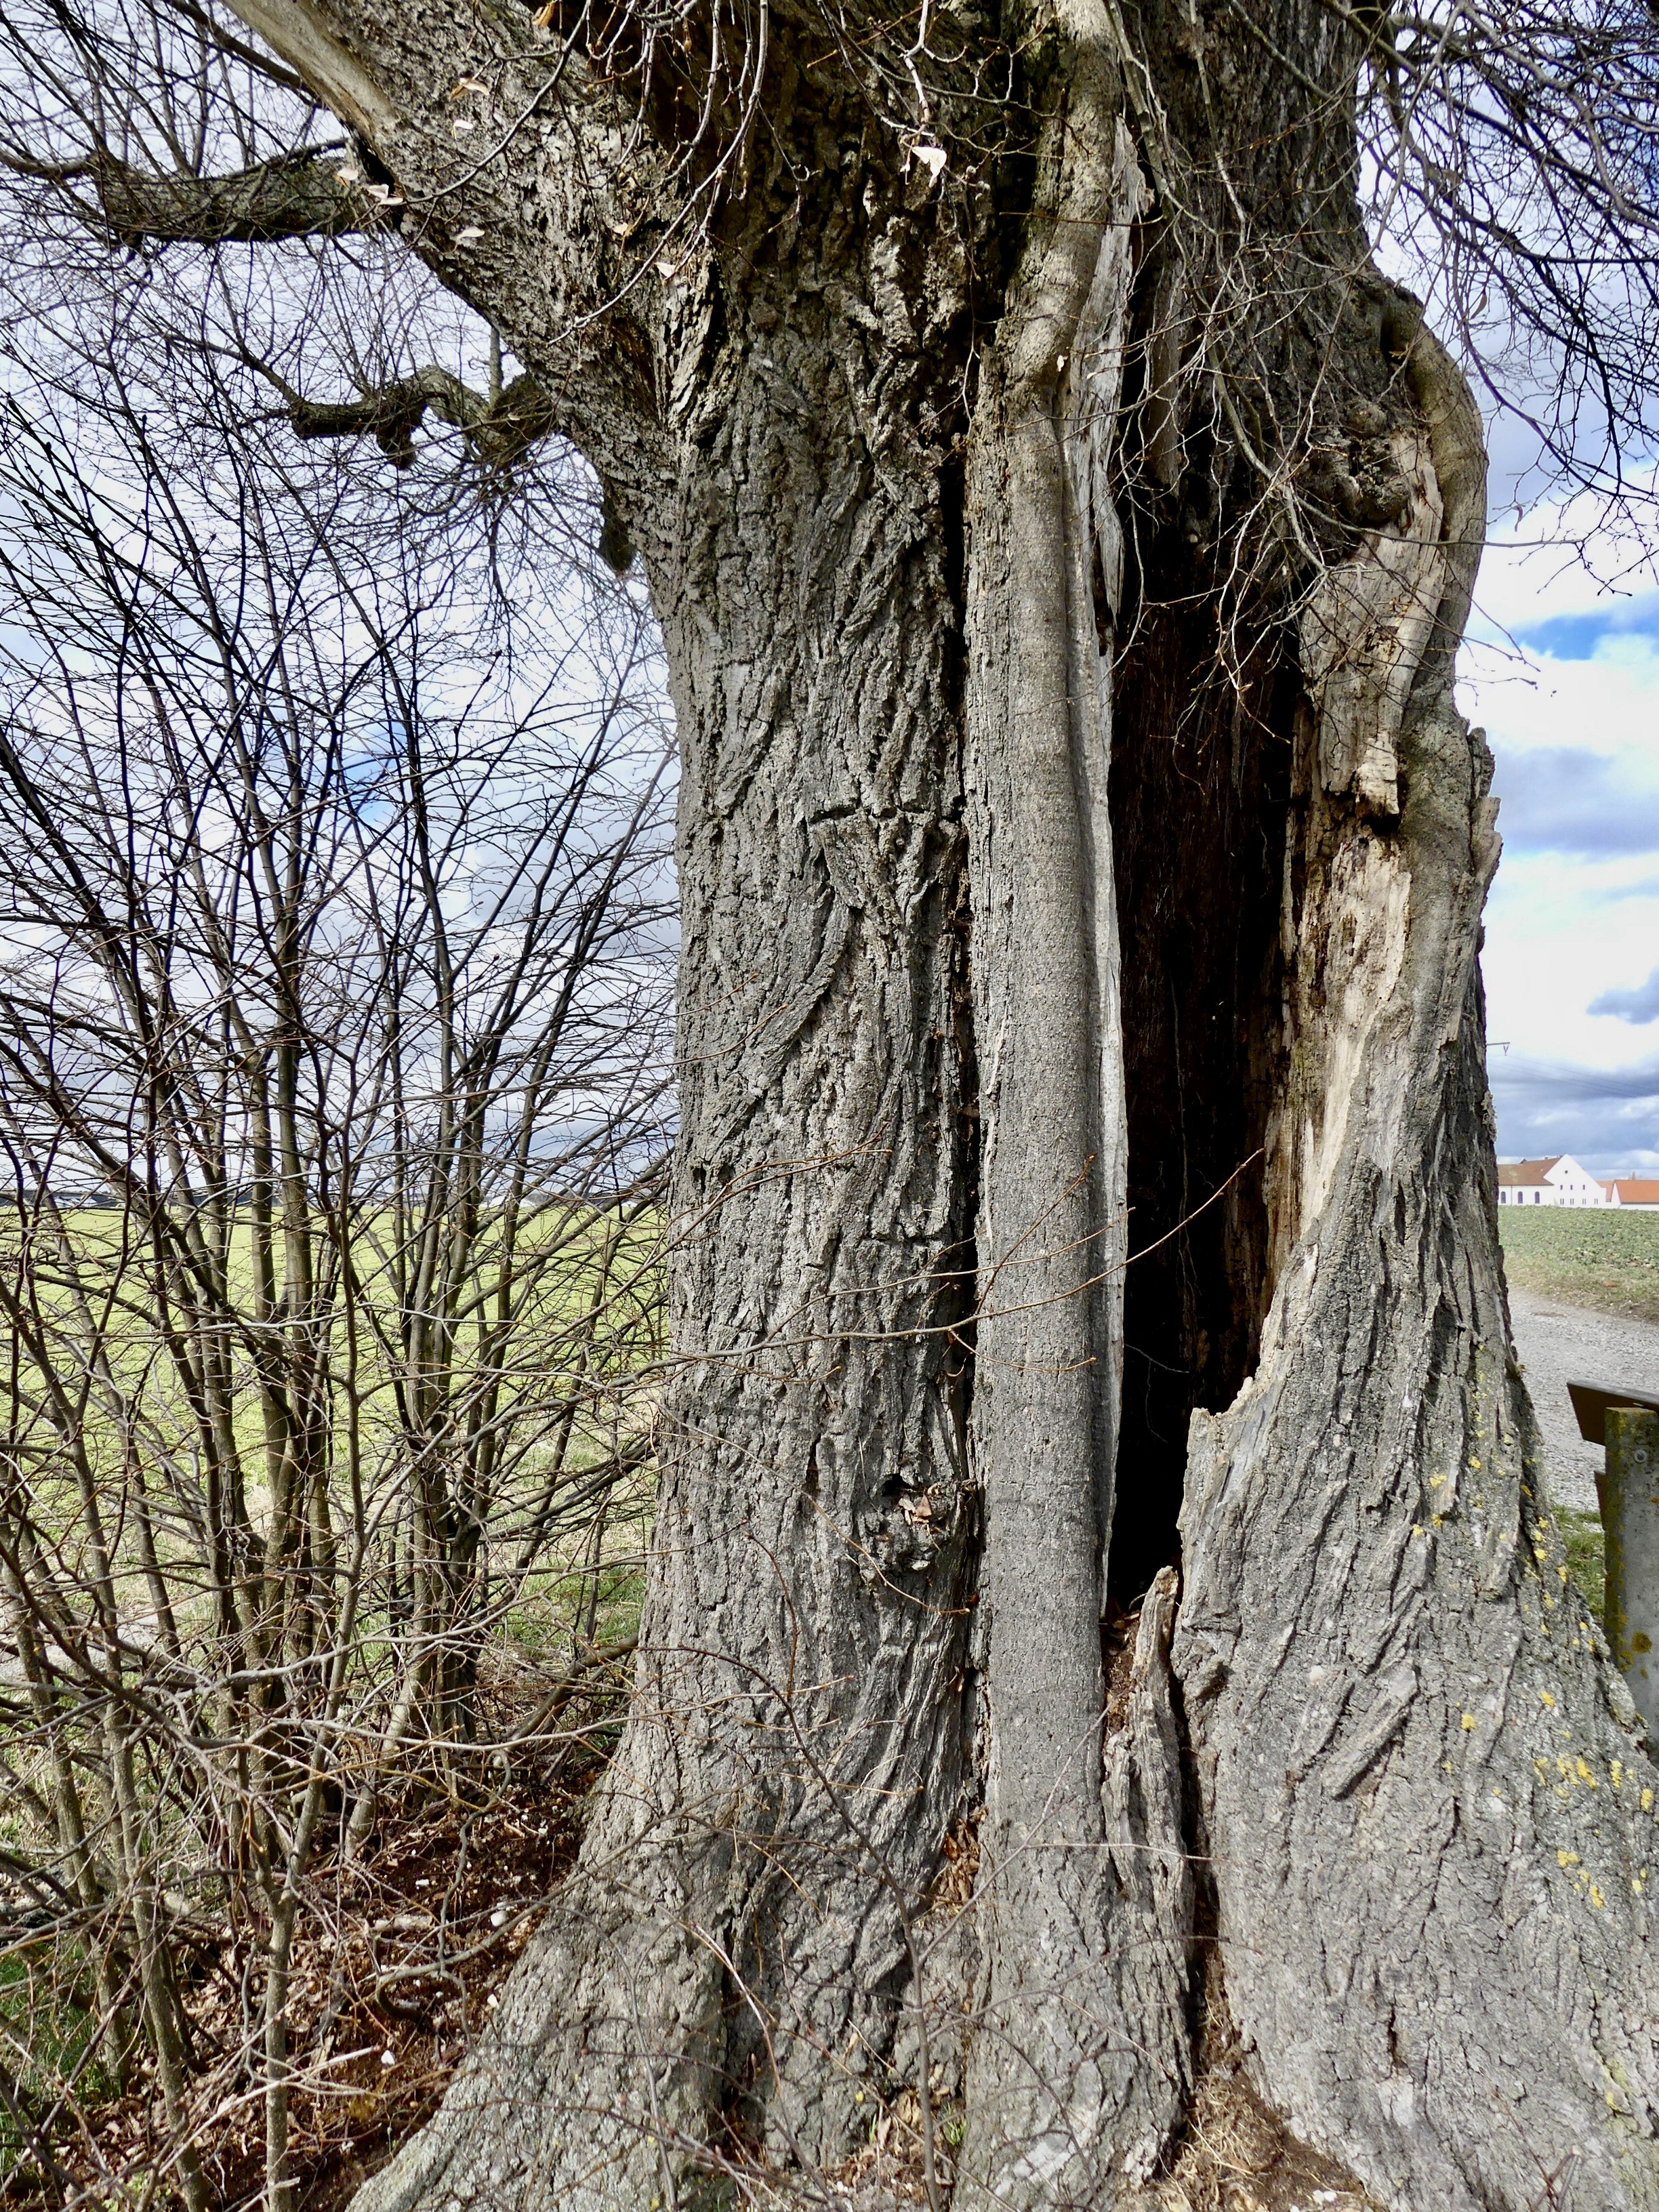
(1558,1344)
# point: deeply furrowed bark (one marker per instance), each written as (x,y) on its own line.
(732,1957)
(885,531)
(1428,1822)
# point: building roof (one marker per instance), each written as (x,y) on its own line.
(1527,1172)
(1635,1190)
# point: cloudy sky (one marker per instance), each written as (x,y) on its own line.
(1563,670)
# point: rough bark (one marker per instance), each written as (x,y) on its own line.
(948,504)
(730,1968)
(1427,1816)
(312,193)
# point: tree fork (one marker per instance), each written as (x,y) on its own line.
(871,1632)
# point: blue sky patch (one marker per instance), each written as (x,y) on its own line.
(1638,1007)
(1579,636)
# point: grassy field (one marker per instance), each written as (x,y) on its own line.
(1609,1261)
(104,1273)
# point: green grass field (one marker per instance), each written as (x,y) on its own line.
(1609,1261)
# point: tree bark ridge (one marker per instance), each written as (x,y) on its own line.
(1079,2048)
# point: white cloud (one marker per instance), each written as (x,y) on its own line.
(1563,559)
(1564,672)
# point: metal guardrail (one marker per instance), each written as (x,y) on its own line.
(1627,1423)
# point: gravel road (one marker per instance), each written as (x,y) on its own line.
(1559,1344)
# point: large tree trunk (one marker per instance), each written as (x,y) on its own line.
(951,503)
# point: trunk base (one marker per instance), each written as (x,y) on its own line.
(635,2063)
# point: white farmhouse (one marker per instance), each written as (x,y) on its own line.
(1559,1181)
(1635,1190)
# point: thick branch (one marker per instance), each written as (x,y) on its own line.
(499,431)
(303,196)
(313,193)
(614,314)
(317,192)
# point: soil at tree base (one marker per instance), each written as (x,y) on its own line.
(481,1866)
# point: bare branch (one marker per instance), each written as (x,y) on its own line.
(316,192)
(499,431)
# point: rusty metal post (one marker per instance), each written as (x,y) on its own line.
(1629,1490)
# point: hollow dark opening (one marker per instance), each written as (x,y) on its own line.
(1200,796)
